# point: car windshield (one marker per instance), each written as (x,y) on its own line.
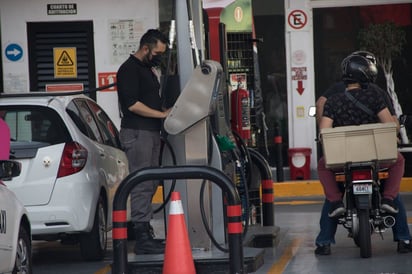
(35,124)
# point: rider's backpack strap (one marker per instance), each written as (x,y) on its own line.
(359,104)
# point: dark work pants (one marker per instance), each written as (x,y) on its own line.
(142,148)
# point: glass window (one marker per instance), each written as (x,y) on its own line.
(109,131)
(84,120)
(35,124)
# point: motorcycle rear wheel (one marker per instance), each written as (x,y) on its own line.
(356,238)
(364,236)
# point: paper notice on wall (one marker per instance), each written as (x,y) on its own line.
(125,36)
(15,83)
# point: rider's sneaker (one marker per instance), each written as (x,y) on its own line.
(404,246)
(387,205)
(336,209)
(323,250)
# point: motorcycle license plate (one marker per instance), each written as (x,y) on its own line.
(362,189)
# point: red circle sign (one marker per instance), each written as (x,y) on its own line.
(297,19)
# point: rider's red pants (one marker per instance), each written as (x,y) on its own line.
(392,185)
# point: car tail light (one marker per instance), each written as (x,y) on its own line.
(358,175)
(73,159)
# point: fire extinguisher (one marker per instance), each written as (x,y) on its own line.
(240,112)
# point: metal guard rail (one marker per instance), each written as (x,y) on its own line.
(267,187)
(234,211)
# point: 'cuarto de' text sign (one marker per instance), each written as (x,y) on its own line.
(65,62)
(62,9)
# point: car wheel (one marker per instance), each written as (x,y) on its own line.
(94,243)
(23,264)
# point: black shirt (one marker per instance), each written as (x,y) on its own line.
(344,112)
(340,87)
(137,82)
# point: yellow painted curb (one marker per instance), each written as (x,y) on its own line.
(314,188)
(105,270)
(296,189)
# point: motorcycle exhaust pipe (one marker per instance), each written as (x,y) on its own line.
(389,221)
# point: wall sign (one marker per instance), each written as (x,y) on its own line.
(297,19)
(107,78)
(61,9)
(300,112)
(298,57)
(125,36)
(65,62)
(13,52)
(299,74)
(64,87)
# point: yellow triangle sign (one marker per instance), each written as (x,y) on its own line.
(65,60)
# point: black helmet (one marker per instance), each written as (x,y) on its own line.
(368,55)
(358,69)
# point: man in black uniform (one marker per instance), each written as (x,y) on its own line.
(139,97)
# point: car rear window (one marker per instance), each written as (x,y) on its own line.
(35,125)
(93,122)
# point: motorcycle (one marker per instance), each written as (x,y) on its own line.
(362,184)
(356,151)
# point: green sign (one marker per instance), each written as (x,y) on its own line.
(238,16)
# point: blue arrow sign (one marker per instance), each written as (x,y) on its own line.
(13,52)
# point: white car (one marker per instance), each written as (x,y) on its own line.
(72,164)
(15,235)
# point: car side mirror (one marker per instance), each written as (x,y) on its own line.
(9,169)
(312,111)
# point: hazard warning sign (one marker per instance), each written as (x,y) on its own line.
(65,62)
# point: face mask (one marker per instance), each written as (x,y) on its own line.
(156,60)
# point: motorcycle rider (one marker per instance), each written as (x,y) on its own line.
(328,225)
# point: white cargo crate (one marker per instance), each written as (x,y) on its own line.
(359,144)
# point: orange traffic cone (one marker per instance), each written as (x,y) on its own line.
(178,253)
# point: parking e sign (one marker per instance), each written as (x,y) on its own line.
(297,19)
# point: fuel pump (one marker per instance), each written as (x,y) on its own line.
(201,114)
